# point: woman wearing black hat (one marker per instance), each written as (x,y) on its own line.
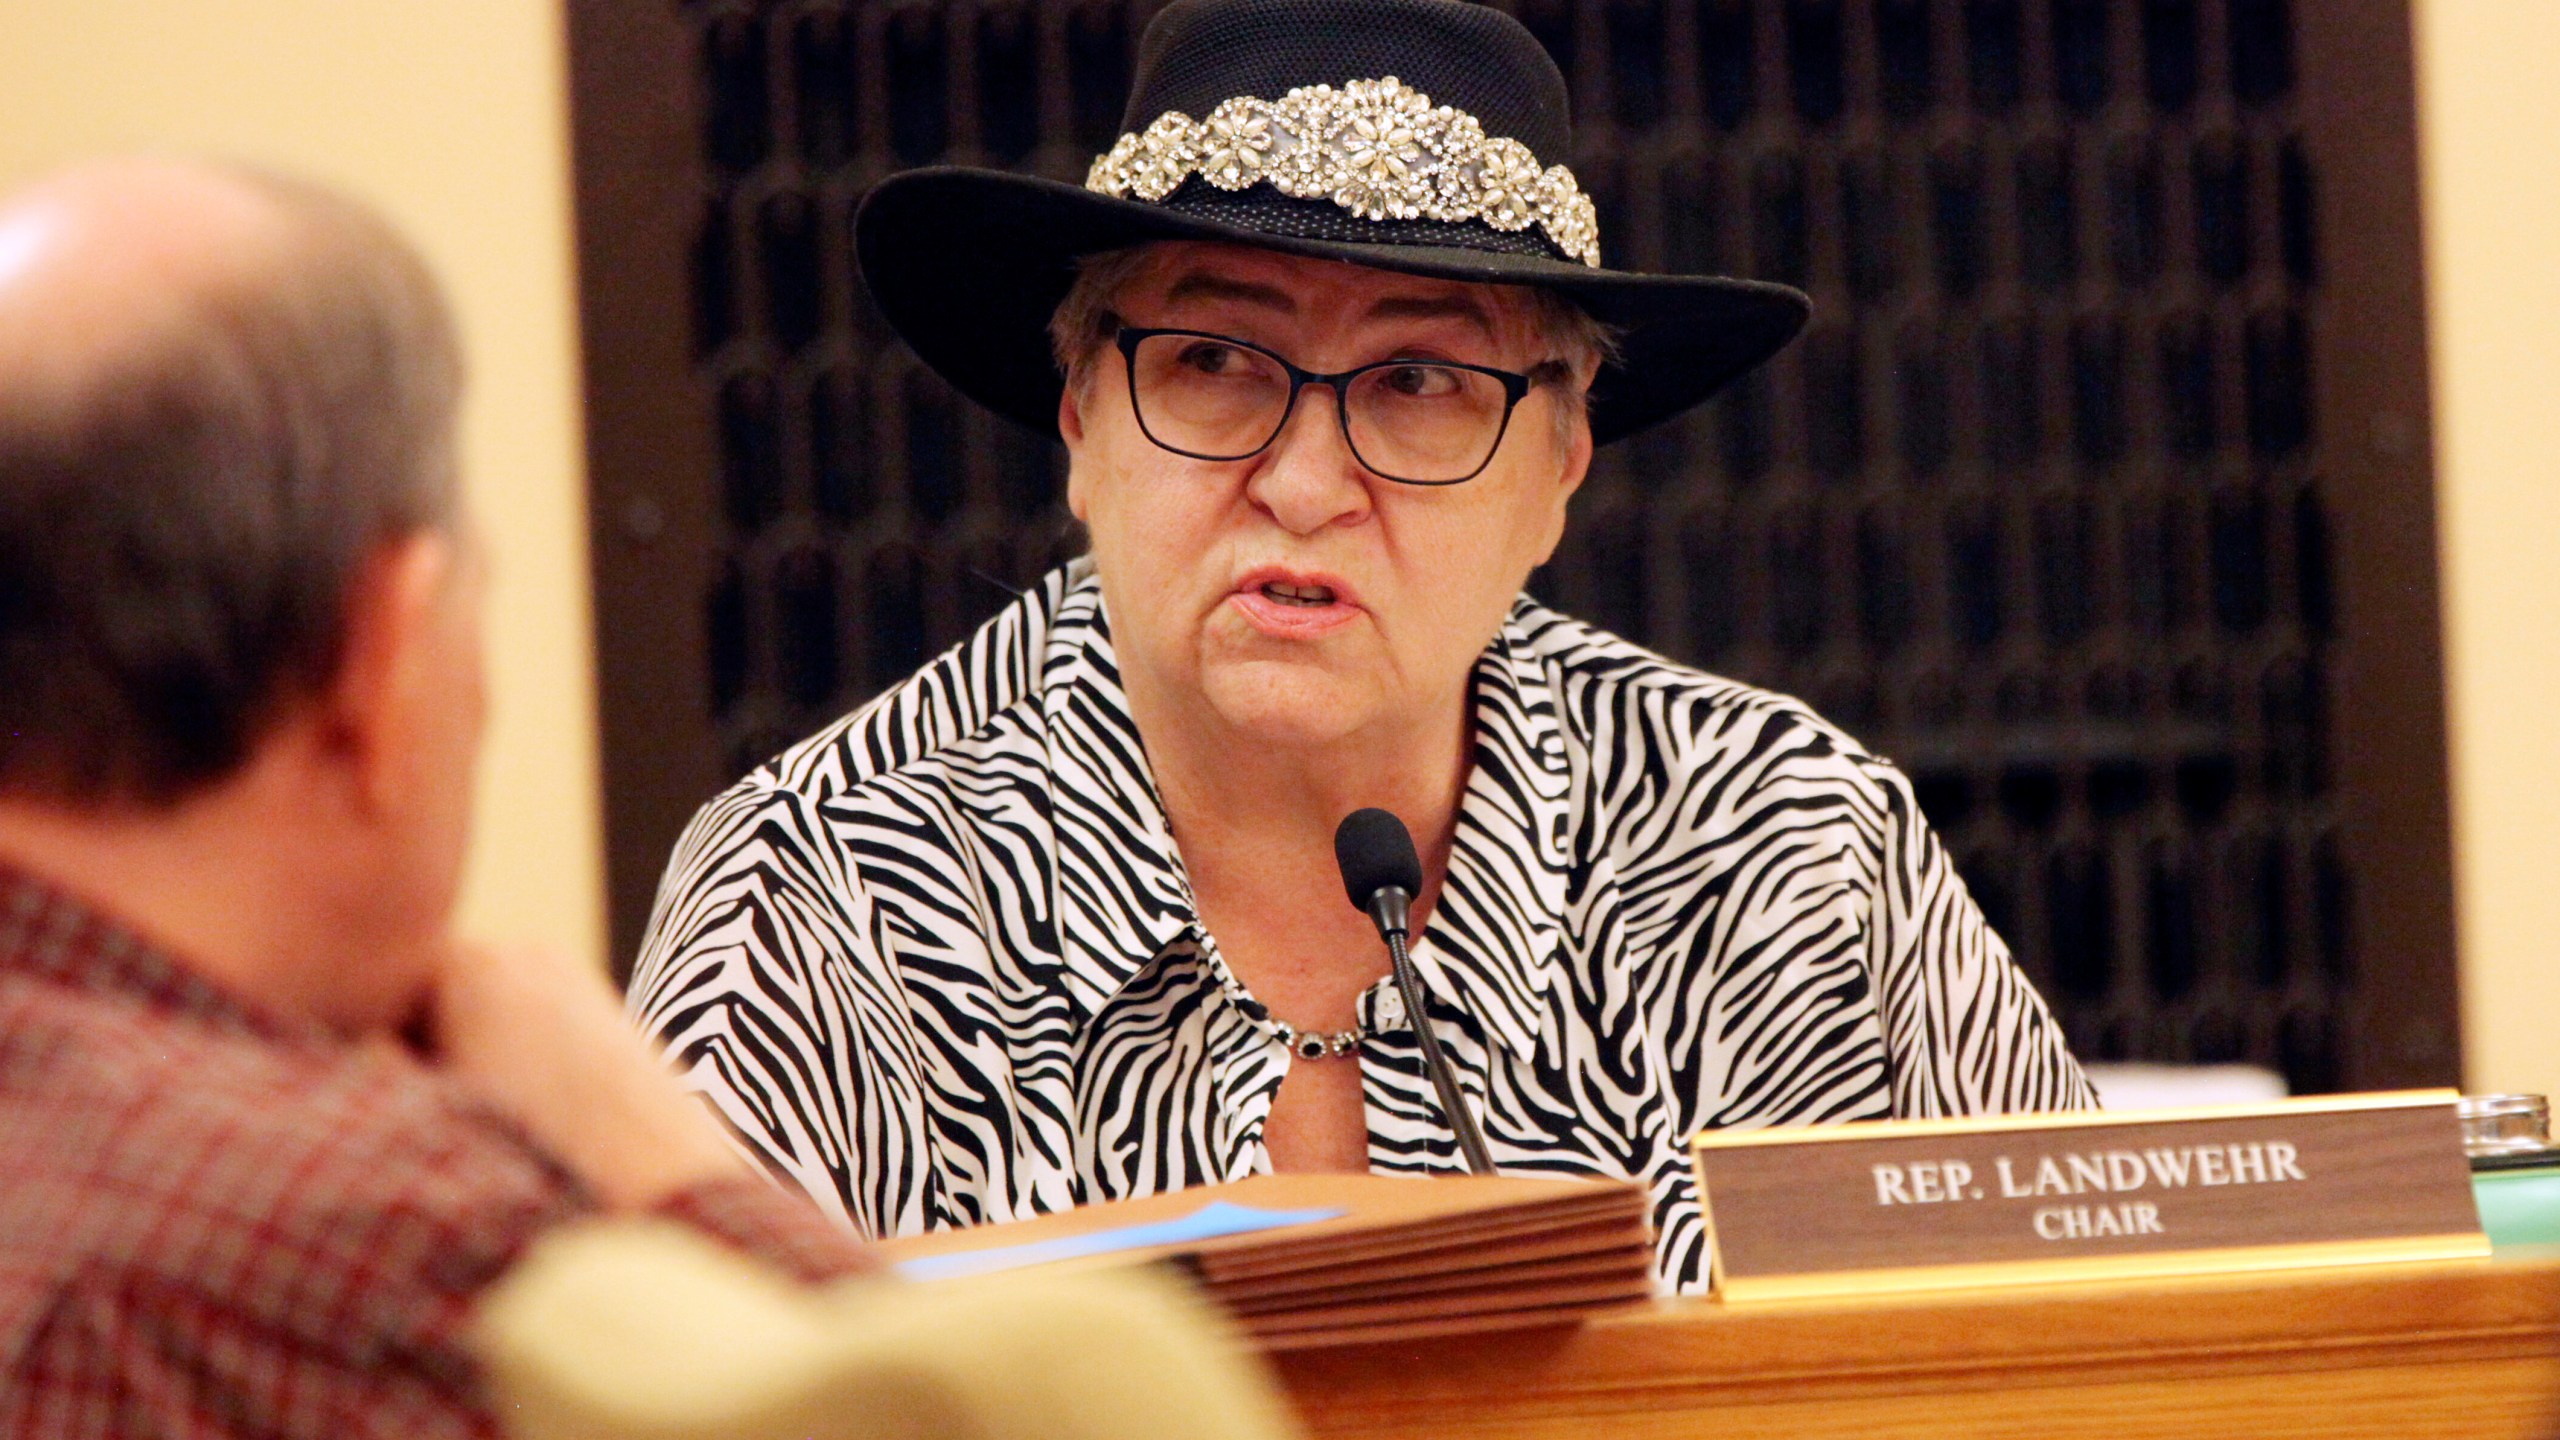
(1058,920)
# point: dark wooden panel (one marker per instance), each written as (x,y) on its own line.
(2398,1014)
(637,135)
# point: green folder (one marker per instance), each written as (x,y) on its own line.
(2520,1207)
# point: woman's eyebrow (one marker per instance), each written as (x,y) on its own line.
(1201,286)
(1434,307)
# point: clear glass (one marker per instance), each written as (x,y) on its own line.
(2505,1124)
(1416,422)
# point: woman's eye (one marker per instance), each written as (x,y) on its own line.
(1420,381)
(1209,358)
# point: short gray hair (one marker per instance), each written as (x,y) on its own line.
(1085,321)
(177,539)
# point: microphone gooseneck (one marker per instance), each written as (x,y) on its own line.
(1381,874)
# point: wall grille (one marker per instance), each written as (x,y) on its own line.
(2040,506)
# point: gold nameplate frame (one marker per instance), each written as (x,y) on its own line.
(1888,1205)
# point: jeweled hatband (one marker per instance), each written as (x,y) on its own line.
(1378,148)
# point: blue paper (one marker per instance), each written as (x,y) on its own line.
(1209,1222)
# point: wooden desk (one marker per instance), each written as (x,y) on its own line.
(2467,1349)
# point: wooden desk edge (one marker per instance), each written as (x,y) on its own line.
(1687,1352)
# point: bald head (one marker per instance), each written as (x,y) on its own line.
(219,390)
(103,264)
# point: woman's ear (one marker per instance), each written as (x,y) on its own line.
(1575,469)
(1071,431)
(1070,414)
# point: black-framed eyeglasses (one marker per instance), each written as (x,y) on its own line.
(1416,422)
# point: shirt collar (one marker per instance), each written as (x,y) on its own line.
(1122,898)
(1497,928)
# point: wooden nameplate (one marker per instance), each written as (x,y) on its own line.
(1887,1205)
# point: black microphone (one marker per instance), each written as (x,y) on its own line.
(1382,875)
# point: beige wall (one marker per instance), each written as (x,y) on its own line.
(451,116)
(2489,107)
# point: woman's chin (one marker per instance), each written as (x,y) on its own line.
(1290,704)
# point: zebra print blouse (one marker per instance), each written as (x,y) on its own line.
(939,963)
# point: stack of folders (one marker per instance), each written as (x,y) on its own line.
(1304,1261)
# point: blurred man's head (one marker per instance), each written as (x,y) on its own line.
(232,592)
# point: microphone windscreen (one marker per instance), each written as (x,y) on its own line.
(1375,851)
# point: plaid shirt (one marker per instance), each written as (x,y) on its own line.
(213,1223)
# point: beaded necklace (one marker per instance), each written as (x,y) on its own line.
(1305,1044)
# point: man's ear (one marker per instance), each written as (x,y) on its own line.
(379,705)
(1071,430)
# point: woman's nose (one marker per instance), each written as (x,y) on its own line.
(1308,478)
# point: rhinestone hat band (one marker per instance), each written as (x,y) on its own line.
(1378,148)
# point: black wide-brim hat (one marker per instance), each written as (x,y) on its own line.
(1302,126)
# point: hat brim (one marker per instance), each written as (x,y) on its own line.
(968,265)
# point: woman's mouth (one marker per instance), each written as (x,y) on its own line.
(1298,594)
(1293,607)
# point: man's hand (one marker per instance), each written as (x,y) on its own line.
(542,1038)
